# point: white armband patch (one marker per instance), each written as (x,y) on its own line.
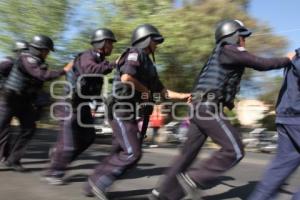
(31,60)
(241,49)
(4,59)
(133,56)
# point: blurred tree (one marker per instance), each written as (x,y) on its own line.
(272,87)
(268,122)
(232,116)
(242,3)
(188,29)
(189,33)
(23,19)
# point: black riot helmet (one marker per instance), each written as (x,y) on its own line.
(143,34)
(42,42)
(230,30)
(20,45)
(100,35)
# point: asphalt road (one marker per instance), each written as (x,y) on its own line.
(236,184)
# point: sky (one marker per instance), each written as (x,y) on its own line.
(75,25)
(281,16)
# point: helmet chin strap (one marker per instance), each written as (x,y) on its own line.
(153,56)
(152,53)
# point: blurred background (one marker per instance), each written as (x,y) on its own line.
(187,25)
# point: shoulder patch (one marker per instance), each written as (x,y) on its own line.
(5,59)
(241,49)
(132,56)
(31,60)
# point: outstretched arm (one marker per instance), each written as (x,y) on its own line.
(169,94)
(234,55)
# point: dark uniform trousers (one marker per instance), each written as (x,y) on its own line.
(286,161)
(73,138)
(125,154)
(204,124)
(21,107)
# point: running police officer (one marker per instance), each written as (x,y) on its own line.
(20,46)
(287,158)
(136,79)
(74,137)
(25,79)
(42,98)
(215,87)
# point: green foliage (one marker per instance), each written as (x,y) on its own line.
(268,122)
(189,33)
(189,30)
(23,19)
(272,87)
(231,114)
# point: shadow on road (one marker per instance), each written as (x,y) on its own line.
(44,139)
(138,173)
(76,178)
(129,195)
(241,192)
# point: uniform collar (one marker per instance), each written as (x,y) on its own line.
(97,55)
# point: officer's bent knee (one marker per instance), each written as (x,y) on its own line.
(235,156)
(135,157)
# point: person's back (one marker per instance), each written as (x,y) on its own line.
(288,103)
(156,120)
(287,158)
(25,77)
(88,70)
(219,80)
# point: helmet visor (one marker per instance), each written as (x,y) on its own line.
(98,45)
(158,39)
(244,32)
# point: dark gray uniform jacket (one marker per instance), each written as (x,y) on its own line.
(221,76)
(288,103)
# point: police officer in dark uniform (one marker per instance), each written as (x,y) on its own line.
(136,79)
(215,88)
(24,80)
(287,159)
(74,137)
(20,46)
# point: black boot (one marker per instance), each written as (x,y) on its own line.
(17,166)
